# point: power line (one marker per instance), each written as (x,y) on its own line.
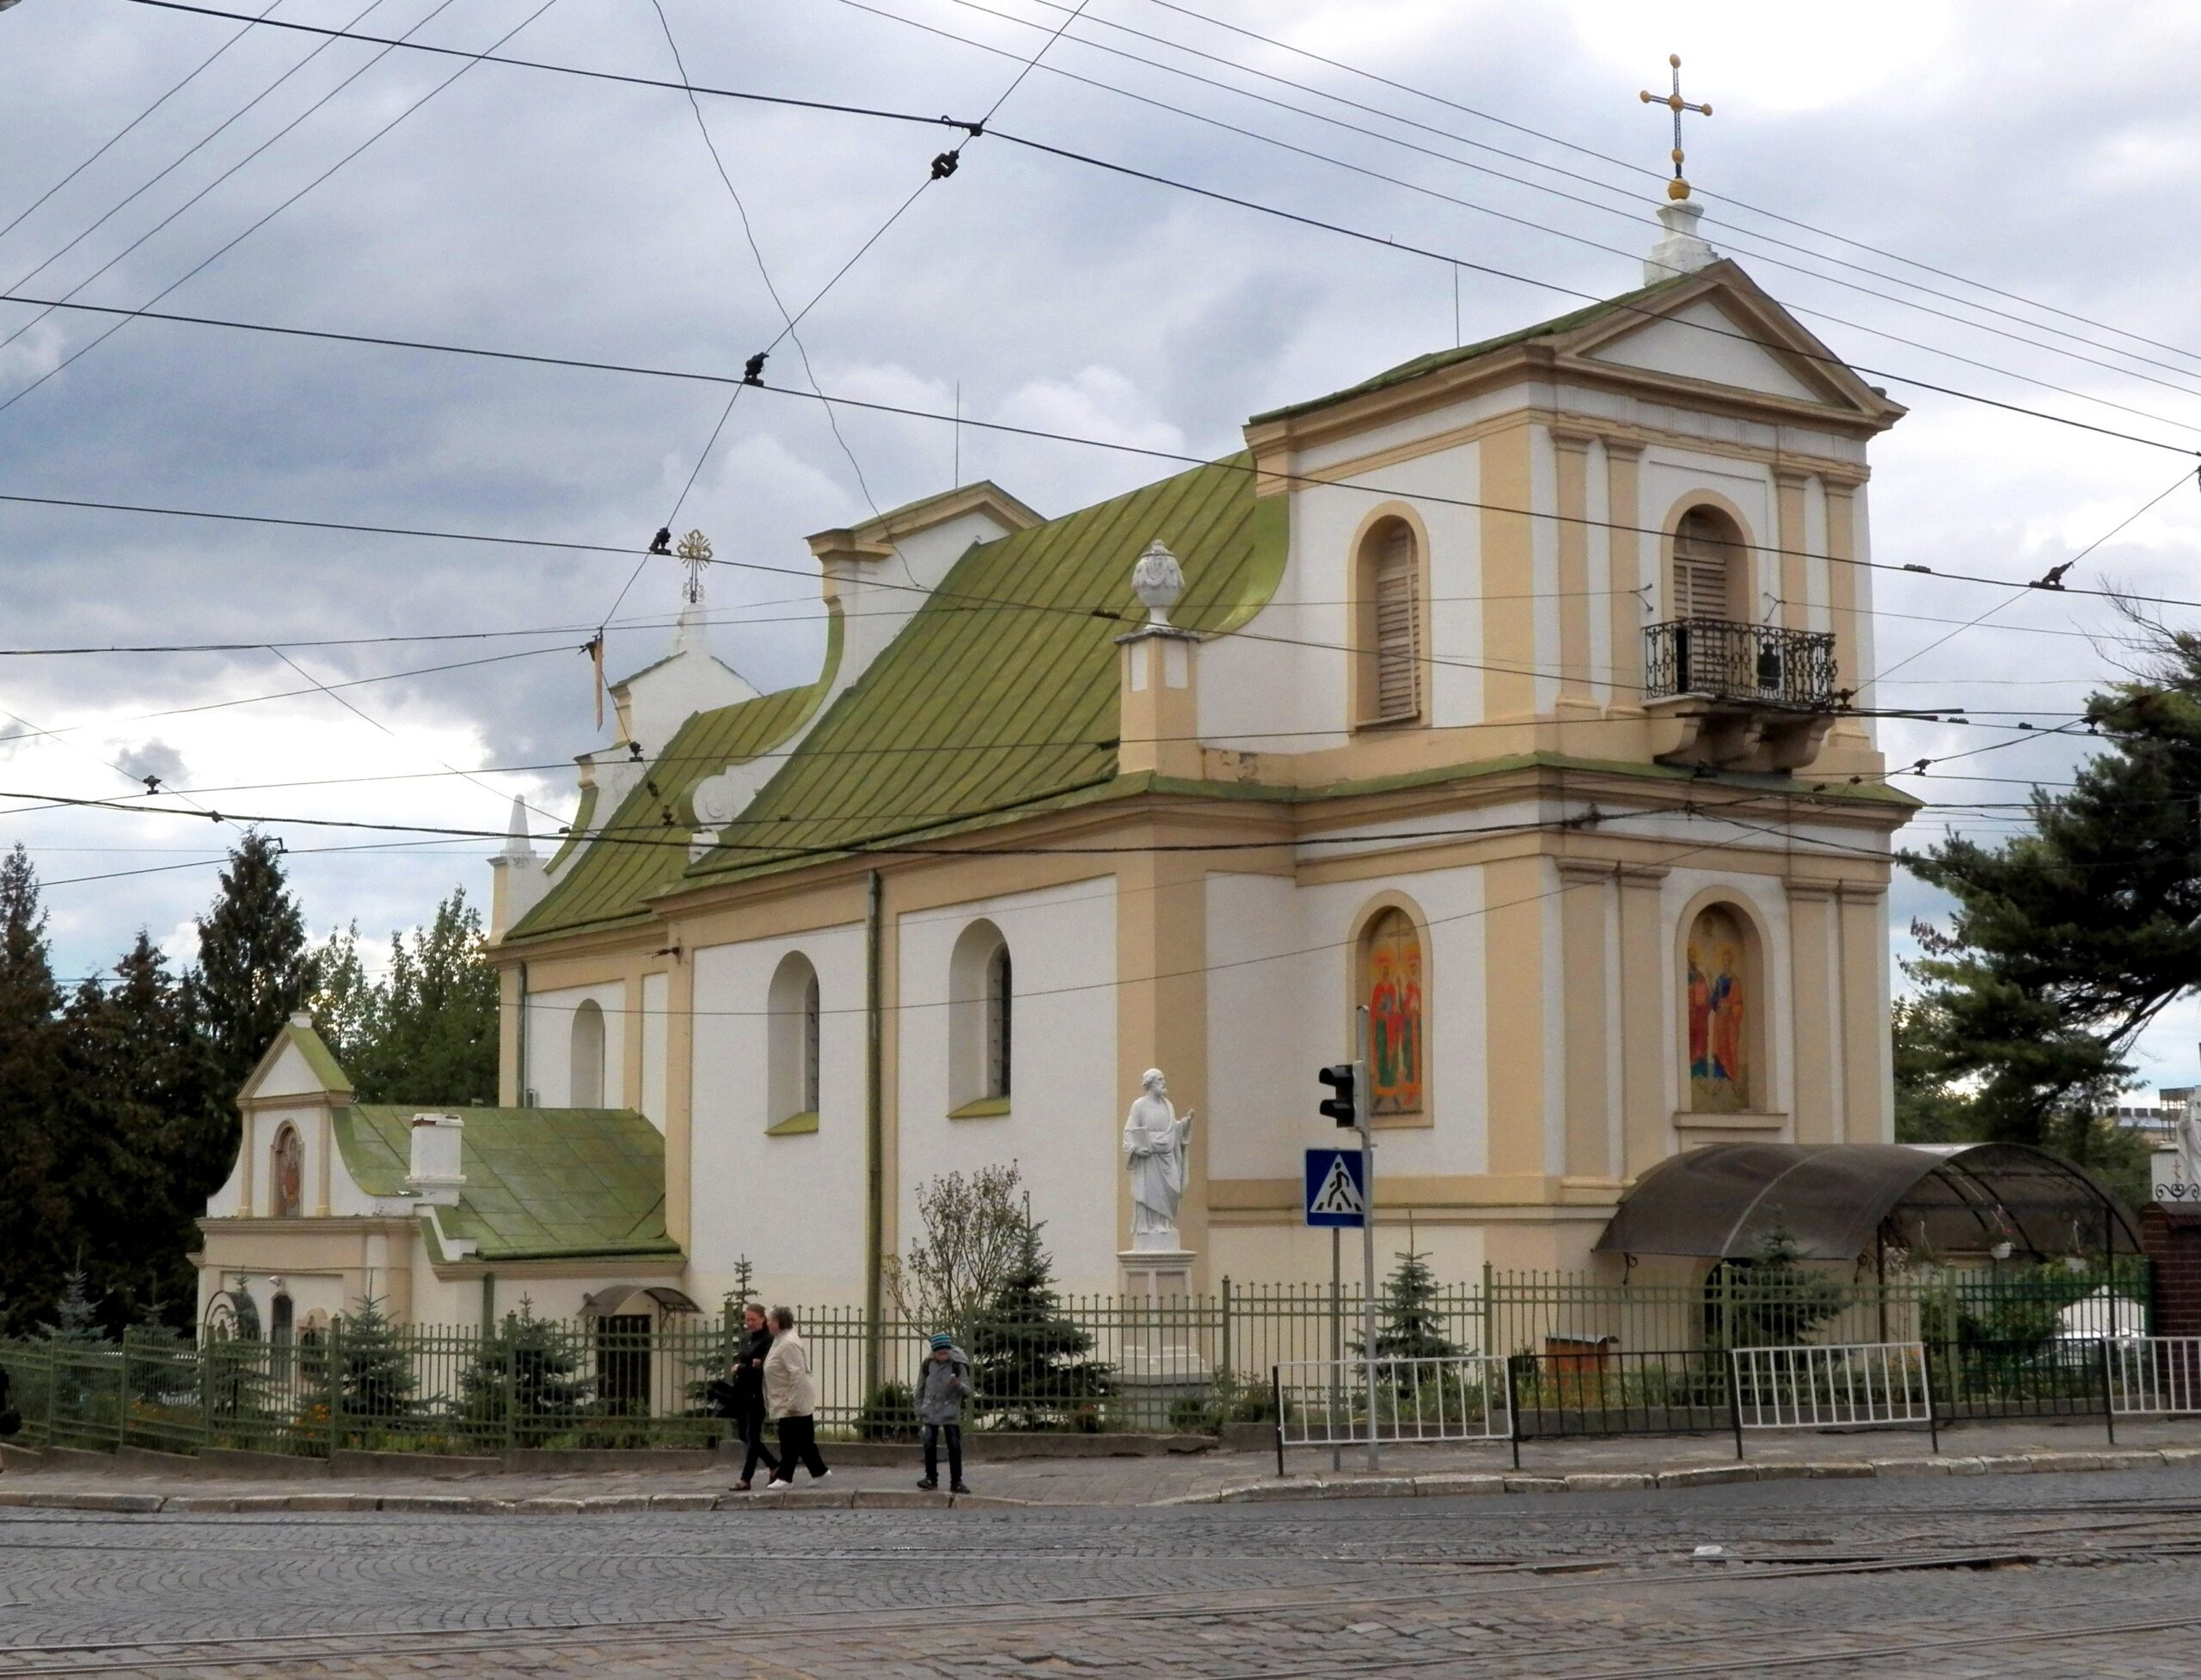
(473,58)
(1344,230)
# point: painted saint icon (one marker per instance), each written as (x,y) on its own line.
(1718,1080)
(1394,1026)
(290,1175)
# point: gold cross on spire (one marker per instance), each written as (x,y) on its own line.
(695,552)
(1678,188)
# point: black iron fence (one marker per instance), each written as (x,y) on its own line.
(1725,660)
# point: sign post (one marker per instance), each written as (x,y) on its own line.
(1337,1200)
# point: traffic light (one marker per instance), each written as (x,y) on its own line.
(1344,1106)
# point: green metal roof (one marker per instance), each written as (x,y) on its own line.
(1467,353)
(639,852)
(999,696)
(541,1183)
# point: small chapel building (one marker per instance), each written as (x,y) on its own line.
(1502,696)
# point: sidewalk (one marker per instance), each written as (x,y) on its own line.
(142,1483)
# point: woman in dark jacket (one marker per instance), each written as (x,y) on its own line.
(749,1397)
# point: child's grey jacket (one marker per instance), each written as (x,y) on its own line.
(943,1387)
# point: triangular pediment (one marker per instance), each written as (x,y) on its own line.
(296,1064)
(1719,330)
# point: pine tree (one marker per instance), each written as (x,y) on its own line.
(432,1029)
(76,1314)
(1778,1299)
(532,1361)
(35,1152)
(374,1372)
(1409,1326)
(254,971)
(1029,1361)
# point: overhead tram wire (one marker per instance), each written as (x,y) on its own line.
(1632,215)
(223,250)
(192,151)
(121,133)
(1637,169)
(1319,223)
(2053,579)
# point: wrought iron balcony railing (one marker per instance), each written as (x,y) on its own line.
(1756,664)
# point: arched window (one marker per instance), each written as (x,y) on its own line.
(587,1083)
(1707,566)
(791,1048)
(981,1002)
(1721,1009)
(1387,595)
(288,1181)
(1000,1000)
(1391,987)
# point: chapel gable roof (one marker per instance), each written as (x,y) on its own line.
(1714,332)
(296,1063)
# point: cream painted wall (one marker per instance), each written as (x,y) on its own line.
(550,1040)
(1277,996)
(794,1205)
(1700,342)
(1286,696)
(1062,1129)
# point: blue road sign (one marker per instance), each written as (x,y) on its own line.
(1337,1190)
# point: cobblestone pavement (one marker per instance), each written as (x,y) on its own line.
(2101,1574)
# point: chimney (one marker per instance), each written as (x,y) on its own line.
(437,1175)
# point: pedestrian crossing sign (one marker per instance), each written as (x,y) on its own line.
(1337,1195)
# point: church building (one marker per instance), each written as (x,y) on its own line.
(1502,696)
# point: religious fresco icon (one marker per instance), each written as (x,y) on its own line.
(1394,1026)
(1719,1078)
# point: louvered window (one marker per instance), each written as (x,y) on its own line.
(1704,559)
(1398,627)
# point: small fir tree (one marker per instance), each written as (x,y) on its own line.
(1779,1298)
(76,1314)
(1031,1363)
(526,1382)
(1408,1325)
(374,1368)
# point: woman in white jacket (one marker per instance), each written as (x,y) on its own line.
(791,1397)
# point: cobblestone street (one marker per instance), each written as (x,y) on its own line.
(1937,1576)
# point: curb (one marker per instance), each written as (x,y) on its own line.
(467,1505)
(1452,1485)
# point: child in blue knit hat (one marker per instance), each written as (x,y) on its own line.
(943,1384)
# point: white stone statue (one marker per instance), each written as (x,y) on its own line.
(1153,1148)
(2189,1146)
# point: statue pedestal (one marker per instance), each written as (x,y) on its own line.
(1160,1369)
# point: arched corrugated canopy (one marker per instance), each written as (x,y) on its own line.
(1721,1202)
(614,1296)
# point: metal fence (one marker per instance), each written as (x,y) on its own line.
(1585,1357)
(2155,1376)
(1866,1385)
(1326,1403)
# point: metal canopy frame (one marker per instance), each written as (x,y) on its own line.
(607,1301)
(1842,1201)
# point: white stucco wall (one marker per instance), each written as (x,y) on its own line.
(794,1205)
(548,1073)
(1062,1128)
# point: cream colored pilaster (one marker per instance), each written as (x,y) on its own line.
(328,1134)
(1585,983)
(1816,1009)
(1795,605)
(1624,463)
(630,1071)
(1648,1092)
(1161,1018)
(1841,594)
(1158,703)
(1571,451)
(1864,1016)
(1513,1015)
(1509,576)
(680,1101)
(509,1095)
(890,1068)
(248,1159)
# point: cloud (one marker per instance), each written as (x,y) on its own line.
(153,760)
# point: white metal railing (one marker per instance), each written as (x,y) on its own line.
(1334,1403)
(1858,1385)
(2154,1376)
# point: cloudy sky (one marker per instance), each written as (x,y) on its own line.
(1991,199)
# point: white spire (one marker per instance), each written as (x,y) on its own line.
(1679,250)
(518,842)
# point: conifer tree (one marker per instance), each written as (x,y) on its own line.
(373,1370)
(525,1381)
(1409,1326)
(75,1313)
(253,969)
(1030,1362)
(34,1157)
